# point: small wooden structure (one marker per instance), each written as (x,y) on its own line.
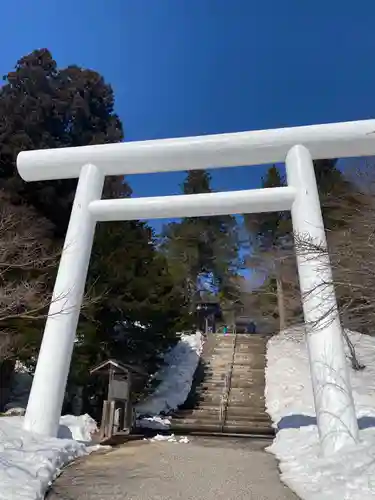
(208,313)
(118,415)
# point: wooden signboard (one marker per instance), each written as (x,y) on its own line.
(118,389)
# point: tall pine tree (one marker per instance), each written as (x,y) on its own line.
(203,251)
(43,106)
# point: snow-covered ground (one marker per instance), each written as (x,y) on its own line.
(29,463)
(350,474)
(175,379)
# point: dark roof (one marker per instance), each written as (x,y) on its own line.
(103,368)
(244,319)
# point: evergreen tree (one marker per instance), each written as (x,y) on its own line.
(139,309)
(43,106)
(338,196)
(202,251)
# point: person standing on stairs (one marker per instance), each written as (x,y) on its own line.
(251,327)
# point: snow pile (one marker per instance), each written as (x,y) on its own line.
(350,474)
(78,428)
(175,378)
(29,462)
(15,411)
(154,422)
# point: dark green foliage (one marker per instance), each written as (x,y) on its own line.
(139,309)
(338,196)
(202,250)
(270,227)
(41,107)
(129,283)
(197,181)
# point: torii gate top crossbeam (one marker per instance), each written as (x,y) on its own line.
(335,140)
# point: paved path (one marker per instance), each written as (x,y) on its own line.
(203,469)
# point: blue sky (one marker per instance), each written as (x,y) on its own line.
(189,67)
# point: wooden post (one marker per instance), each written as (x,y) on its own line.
(111,418)
(118,418)
(103,425)
(128,413)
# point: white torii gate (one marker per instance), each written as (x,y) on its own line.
(334,405)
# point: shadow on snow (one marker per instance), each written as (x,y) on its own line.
(298,421)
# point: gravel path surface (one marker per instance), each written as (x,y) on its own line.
(204,469)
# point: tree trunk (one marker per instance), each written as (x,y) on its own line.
(281,303)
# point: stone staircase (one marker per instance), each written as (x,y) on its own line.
(227,394)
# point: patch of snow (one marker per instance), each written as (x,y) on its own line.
(170,439)
(30,462)
(184,439)
(176,378)
(349,474)
(15,411)
(77,428)
(156,422)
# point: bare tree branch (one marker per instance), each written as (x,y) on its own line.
(28,262)
(351,247)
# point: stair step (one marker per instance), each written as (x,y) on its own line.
(209,400)
(217,417)
(220,362)
(240,376)
(208,408)
(249,359)
(212,410)
(234,411)
(250,348)
(245,371)
(250,417)
(234,384)
(238,409)
(249,428)
(258,341)
(199,413)
(257,390)
(212,386)
(249,367)
(259,422)
(235,393)
(243,360)
(218,422)
(255,406)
